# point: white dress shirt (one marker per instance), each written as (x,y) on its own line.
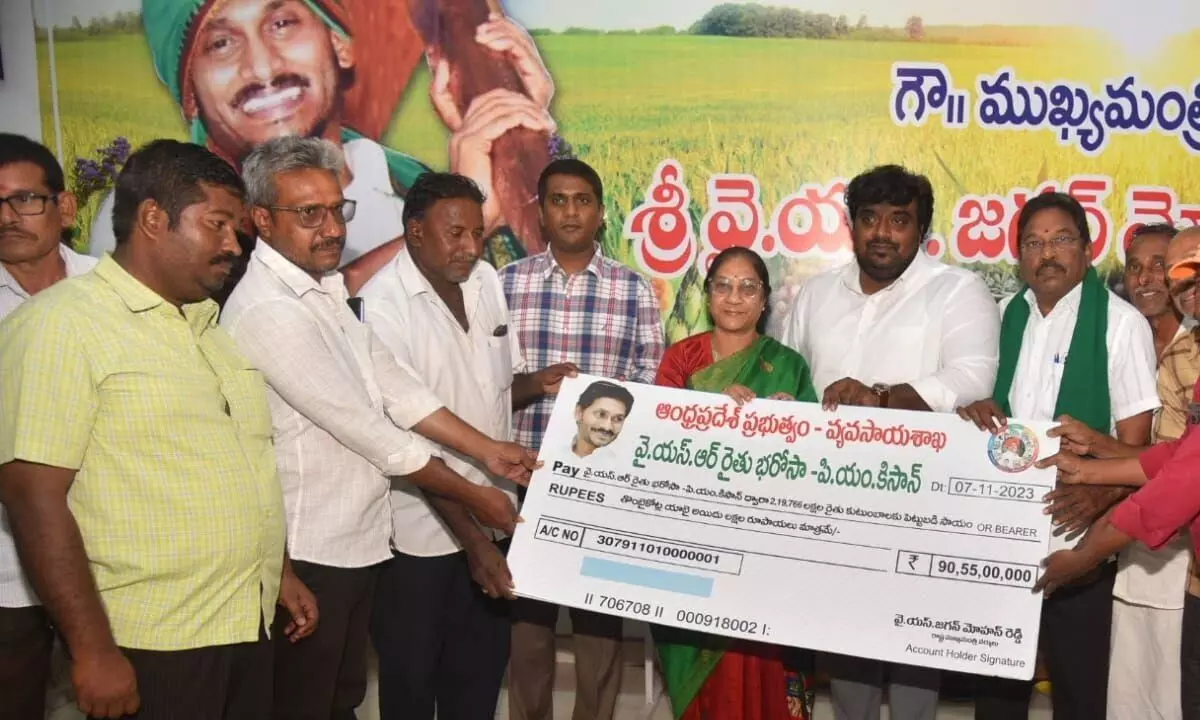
(15,590)
(935,328)
(339,405)
(376,219)
(1131,363)
(471,371)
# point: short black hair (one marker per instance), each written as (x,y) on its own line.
(760,269)
(18,148)
(891,185)
(1166,229)
(575,168)
(605,389)
(170,173)
(1054,201)
(434,186)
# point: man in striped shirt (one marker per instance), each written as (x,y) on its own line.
(570,304)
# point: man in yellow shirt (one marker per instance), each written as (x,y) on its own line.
(136,462)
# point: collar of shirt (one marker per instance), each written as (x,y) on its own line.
(296,279)
(908,281)
(550,263)
(139,298)
(1067,305)
(74,263)
(414,282)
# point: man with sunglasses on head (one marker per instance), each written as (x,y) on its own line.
(342,410)
(36,216)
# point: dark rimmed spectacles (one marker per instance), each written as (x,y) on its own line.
(27,204)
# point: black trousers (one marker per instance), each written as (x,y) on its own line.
(1190,658)
(324,676)
(25,643)
(1076,635)
(442,644)
(224,682)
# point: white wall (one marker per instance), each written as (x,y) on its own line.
(19,90)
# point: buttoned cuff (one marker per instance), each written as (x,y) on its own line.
(936,395)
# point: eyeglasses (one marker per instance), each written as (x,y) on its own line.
(1034,245)
(313,216)
(747,287)
(27,203)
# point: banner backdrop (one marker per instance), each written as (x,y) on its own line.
(711,125)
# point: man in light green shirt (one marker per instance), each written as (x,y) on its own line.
(136,461)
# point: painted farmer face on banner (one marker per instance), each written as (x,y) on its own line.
(34,218)
(299,196)
(448,241)
(1053,256)
(886,239)
(1146,275)
(266,68)
(599,424)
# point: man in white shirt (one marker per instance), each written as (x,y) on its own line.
(897,329)
(443,648)
(36,216)
(342,408)
(1069,349)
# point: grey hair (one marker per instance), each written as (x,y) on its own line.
(284,154)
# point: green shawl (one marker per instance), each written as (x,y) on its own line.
(1084,393)
(766,367)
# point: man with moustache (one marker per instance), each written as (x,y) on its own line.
(245,71)
(571,304)
(441,311)
(136,461)
(893,328)
(36,216)
(1068,347)
(600,414)
(1144,634)
(342,408)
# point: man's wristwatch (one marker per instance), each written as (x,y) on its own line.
(883,392)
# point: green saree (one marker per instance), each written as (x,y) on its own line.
(767,367)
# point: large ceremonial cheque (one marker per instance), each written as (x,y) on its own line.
(904,536)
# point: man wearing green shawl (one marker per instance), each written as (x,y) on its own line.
(245,71)
(1068,346)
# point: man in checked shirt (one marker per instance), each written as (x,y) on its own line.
(570,304)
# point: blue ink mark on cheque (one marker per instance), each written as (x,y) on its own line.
(676,582)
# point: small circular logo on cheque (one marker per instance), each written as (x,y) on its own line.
(1013,449)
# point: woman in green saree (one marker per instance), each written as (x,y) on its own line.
(708,677)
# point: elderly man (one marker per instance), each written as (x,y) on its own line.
(1072,350)
(244,71)
(1149,590)
(136,460)
(440,310)
(36,216)
(895,329)
(342,409)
